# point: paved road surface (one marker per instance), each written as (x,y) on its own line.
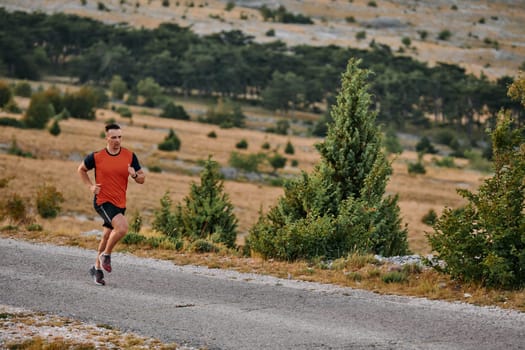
(227,310)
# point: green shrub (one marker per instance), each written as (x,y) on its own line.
(477,162)
(155,169)
(165,221)
(445,162)
(242,144)
(14,208)
(392,144)
(394,277)
(39,112)
(203,246)
(13,122)
(124,112)
(444,35)
(277,161)
(5,93)
(416,168)
(133,238)
(411,269)
(12,107)
(34,227)
(54,129)
(425,146)
(423,34)
(226,114)
(430,218)
(23,89)
(173,111)
(170,143)
(445,137)
(17,151)
(246,162)
(82,103)
(354,276)
(265,145)
(484,242)
(48,201)
(136,222)
(289,149)
(230,6)
(212,135)
(361,35)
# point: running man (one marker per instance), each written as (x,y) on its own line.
(113,165)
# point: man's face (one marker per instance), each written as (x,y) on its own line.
(114,137)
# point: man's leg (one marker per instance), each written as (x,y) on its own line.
(102,245)
(120,228)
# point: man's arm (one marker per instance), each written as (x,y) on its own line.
(82,171)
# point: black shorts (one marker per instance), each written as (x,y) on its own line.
(108,211)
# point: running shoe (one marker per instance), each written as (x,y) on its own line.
(98,276)
(105,260)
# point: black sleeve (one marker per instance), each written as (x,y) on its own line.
(89,161)
(135,163)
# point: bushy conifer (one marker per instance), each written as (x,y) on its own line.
(341,206)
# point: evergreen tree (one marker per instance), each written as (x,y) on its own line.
(171,142)
(207,210)
(340,207)
(54,129)
(485,240)
(173,111)
(39,112)
(5,93)
(118,87)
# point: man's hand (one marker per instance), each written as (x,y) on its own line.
(95,188)
(132,171)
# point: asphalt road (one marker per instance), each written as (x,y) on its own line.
(221,309)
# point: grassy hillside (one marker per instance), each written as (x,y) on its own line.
(58,157)
(486,36)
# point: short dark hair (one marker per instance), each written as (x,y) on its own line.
(112,126)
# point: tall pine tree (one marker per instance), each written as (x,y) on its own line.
(341,206)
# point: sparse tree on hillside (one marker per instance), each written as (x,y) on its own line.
(118,87)
(5,93)
(284,92)
(39,112)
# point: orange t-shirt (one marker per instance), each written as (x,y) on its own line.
(111,172)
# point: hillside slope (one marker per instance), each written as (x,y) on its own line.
(486,36)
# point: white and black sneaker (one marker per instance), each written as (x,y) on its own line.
(98,276)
